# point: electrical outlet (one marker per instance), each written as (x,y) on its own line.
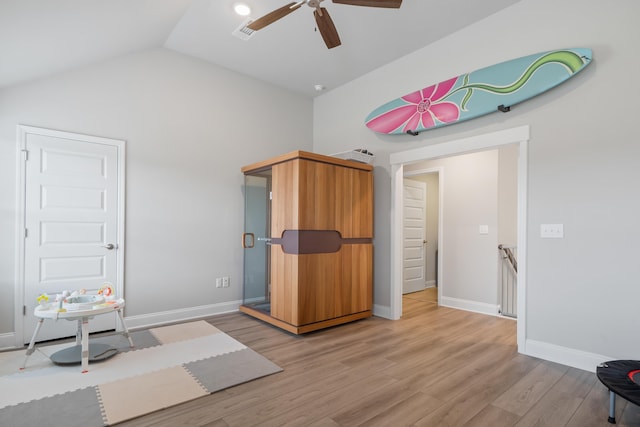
(219,282)
(225,282)
(552,231)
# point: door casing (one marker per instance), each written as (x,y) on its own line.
(520,136)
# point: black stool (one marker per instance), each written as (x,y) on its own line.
(622,378)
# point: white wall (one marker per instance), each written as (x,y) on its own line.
(582,293)
(470,199)
(189,127)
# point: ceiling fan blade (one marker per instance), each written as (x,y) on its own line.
(393,4)
(272,17)
(326,28)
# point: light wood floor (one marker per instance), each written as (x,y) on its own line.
(426,295)
(434,367)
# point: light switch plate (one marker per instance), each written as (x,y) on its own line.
(552,231)
(483,229)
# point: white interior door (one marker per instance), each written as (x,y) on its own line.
(414,242)
(71,220)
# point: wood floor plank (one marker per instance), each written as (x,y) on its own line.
(494,417)
(473,399)
(313,393)
(405,412)
(358,404)
(594,410)
(554,408)
(525,394)
(324,422)
(576,382)
(559,405)
(476,371)
(630,416)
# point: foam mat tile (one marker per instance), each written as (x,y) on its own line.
(135,396)
(175,333)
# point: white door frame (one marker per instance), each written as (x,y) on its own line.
(22,132)
(440,171)
(518,135)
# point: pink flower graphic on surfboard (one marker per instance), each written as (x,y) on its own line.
(421,112)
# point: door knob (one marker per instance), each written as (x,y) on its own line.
(109,246)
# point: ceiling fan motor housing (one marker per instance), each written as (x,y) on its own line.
(324,23)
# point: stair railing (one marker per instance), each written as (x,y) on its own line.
(508,280)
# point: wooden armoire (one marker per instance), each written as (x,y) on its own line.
(308,241)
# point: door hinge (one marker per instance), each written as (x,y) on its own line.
(26,155)
(26,233)
(24,310)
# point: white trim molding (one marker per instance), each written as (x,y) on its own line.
(8,341)
(565,355)
(471,144)
(180,315)
(467,305)
(381,311)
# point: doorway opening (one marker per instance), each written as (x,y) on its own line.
(517,136)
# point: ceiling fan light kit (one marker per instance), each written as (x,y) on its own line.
(324,22)
(241,9)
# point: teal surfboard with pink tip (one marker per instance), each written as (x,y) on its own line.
(471,95)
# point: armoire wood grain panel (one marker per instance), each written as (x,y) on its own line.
(355,293)
(285,197)
(362,201)
(335,198)
(284,286)
(313,288)
(319,274)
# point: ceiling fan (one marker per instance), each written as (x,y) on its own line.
(323,20)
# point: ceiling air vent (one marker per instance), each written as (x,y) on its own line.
(243,32)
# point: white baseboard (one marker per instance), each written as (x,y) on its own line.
(467,305)
(430,284)
(565,355)
(383,311)
(181,315)
(7,341)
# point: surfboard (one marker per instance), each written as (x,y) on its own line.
(474,94)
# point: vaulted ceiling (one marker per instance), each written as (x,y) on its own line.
(42,37)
